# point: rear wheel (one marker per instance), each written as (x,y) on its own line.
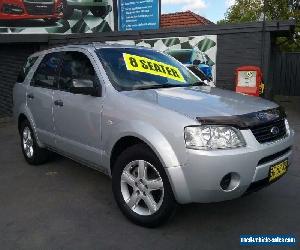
(33,154)
(141,187)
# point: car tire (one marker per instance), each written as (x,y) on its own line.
(101,11)
(141,187)
(67,10)
(33,154)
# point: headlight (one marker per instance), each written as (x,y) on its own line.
(210,137)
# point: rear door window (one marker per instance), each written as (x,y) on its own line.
(46,74)
(26,68)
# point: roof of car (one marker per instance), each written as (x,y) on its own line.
(88,46)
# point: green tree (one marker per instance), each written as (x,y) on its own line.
(252,10)
(243,11)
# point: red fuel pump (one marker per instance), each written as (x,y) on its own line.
(249,80)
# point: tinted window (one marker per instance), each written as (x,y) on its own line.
(183,56)
(137,68)
(76,66)
(47,73)
(26,68)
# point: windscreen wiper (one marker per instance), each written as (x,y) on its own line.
(160,86)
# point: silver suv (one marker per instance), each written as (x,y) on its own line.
(144,119)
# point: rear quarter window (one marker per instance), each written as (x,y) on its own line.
(26,68)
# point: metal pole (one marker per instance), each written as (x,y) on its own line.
(263,48)
(263,30)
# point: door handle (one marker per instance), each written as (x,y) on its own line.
(59,103)
(30,96)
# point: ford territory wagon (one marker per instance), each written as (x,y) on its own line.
(144,119)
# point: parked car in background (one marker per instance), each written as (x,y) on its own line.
(49,10)
(144,119)
(198,72)
(192,57)
(99,8)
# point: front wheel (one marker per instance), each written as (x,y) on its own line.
(141,187)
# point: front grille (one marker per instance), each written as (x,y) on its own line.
(263,132)
(39,8)
(274,156)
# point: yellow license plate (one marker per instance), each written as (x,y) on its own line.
(278,170)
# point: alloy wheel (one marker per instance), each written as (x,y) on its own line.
(28,142)
(142,187)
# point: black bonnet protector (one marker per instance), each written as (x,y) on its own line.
(246,121)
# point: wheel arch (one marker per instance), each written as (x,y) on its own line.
(122,144)
(21,118)
(153,140)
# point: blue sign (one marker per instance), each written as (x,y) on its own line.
(138,14)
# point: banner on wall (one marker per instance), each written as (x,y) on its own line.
(200,48)
(138,14)
(56,16)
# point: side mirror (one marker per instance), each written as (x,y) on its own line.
(85,87)
(196,62)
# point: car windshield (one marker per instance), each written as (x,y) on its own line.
(138,68)
(183,56)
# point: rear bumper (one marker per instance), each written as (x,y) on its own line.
(199,179)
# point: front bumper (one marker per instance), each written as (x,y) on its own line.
(199,179)
(16,10)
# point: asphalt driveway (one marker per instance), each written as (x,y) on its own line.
(63,205)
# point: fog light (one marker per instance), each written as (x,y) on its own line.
(12,9)
(230,182)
